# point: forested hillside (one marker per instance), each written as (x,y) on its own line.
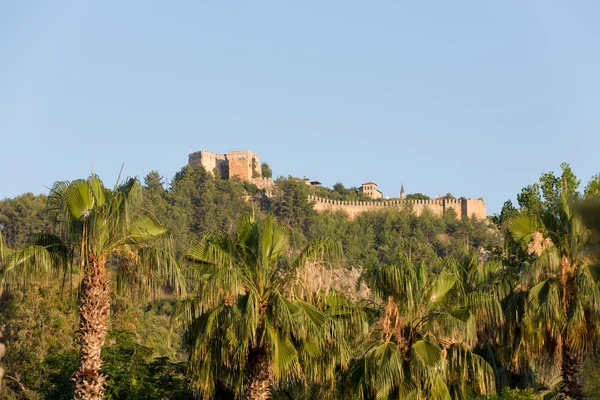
(257,295)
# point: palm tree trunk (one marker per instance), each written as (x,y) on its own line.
(94,313)
(571,368)
(258,376)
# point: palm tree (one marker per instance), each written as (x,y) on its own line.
(252,325)
(422,345)
(96,227)
(562,306)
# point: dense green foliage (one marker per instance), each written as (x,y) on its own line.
(266,170)
(453,307)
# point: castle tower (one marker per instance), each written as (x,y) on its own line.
(244,164)
(402,195)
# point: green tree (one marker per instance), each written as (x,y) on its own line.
(545,195)
(592,190)
(266,170)
(290,204)
(248,327)
(98,225)
(154,197)
(132,376)
(417,196)
(422,345)
(339,188)
(199,203)
(21,217)
(563,296)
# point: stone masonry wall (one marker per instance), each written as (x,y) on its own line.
(209,161)
(455,205)
(264,183)
(463,207)
(237,162)
(240,164)
(476,208)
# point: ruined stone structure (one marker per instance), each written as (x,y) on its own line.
(241,163)
(245,164)
(463,207)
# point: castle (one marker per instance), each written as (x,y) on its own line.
(246,165)
(241,163)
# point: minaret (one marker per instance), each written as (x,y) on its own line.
(402,195)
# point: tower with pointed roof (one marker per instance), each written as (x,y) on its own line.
(402,195)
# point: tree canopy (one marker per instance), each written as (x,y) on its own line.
(286,302)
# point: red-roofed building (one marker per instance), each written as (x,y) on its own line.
(370,189)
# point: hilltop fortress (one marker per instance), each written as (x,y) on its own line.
(246,165)
(241,163)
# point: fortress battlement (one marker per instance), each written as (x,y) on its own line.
(246,165)
(241,163)
(463,207)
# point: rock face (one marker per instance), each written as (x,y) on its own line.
(341,280)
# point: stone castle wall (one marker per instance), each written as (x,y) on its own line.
(457,206)
(209,161)
(264,183)
(474,207)
(240,164)
(462,207)
(234,163)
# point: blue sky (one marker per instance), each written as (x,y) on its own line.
(471,97)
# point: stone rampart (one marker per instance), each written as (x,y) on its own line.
(241,163)
(265,184)
(210,161)
(462,207)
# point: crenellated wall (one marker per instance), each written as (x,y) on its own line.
(209,161)
(241,163)
(462,207)
(474,207)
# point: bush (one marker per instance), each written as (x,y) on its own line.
(515,394)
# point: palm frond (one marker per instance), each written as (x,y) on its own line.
(545,311)
(144,228)
(522,227)
(439,389)
(3,249)
(284,354)
(97,189)
(324,249)
(399,282)
(30,264)
(384,368)
(79,199)
(441,285)
(427,352)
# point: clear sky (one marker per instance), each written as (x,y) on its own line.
(477,98)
